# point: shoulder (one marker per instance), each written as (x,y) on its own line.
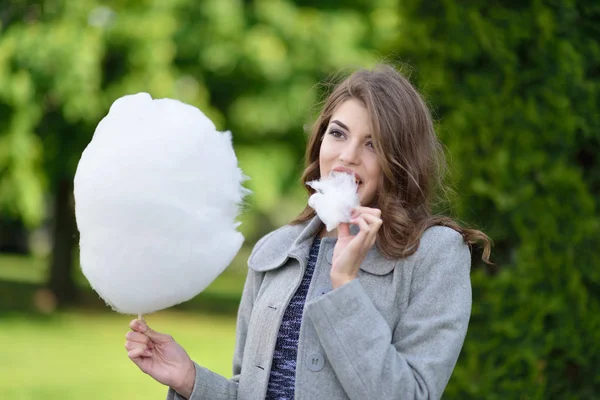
(440,244)
(284,235)
(438,236)
(441,269)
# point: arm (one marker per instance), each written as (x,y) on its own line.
(428,338)
(209,385)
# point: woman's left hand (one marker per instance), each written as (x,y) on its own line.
(350,251)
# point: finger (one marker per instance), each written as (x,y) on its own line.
(344,230)
(363,232)
(135,345)
(363,225)
(139,337)
(158,337)
(373,221)
(369,226)
(139,325)
(374,225)
(367,210)
(138,353)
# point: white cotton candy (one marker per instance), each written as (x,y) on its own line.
(157,193)
(334,199)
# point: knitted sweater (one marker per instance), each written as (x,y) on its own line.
(283,368)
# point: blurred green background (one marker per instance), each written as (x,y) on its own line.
(515,90)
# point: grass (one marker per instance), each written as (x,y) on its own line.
(80,354)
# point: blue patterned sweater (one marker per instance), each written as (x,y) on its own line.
(283,368)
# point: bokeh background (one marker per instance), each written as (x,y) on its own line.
(515,90)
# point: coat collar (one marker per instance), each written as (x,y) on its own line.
(294,241)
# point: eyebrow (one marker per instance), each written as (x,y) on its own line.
(344,126)
(335,121)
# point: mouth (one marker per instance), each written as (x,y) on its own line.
(357,178)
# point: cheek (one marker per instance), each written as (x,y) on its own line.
(371,189)
(373,169)
(326,156)
(322,159)
(374,172)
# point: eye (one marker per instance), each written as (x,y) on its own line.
(336,133)
(370,145)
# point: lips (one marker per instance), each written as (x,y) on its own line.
(350,172)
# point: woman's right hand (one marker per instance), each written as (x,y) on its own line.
(161,357)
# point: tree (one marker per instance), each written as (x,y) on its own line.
(60,69)
(516,91)
(250,67)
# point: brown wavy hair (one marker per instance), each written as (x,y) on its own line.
(411,157)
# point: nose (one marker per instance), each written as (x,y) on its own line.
(350,153)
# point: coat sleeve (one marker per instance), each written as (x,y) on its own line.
(430,333)
(209,385)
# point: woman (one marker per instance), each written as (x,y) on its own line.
(377,309)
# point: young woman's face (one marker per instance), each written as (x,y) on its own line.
(347,147)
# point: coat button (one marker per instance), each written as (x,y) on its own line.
(329,256)
(315,362)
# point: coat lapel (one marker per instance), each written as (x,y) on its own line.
(375,263)
(278,246)
(294,241)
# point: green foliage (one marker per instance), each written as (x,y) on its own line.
(260,62)
(516,90)
(251,67)
(61,66)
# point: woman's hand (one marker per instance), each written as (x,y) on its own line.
(159,356)
(350,251)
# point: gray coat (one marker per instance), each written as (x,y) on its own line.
(393,333)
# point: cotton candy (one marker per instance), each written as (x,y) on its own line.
(157,194)
(334,199)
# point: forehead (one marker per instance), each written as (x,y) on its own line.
(354,115)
